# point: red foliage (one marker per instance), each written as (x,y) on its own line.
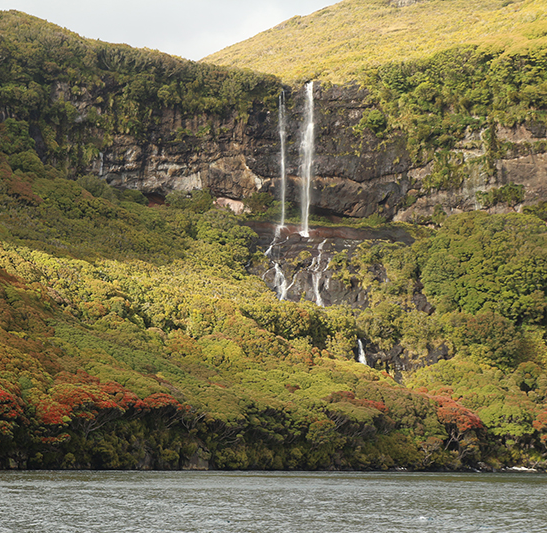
(70,401)
(55,440)
(9,406)
(452,413)
(83,399)
(52,413)
(540,423)
(123,397)
(160,400)
(80,377)
(23,191)
(118,394)
(86,404)
(10,411)
(347,396)
(381,406)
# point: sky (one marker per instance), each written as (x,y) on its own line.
(191,29)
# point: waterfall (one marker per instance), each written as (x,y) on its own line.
(307,158)
(280,282)
(361,358)
(282,138)
(317,270)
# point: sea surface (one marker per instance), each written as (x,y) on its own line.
(258,502)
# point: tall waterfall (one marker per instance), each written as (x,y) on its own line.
(282,138)
(307,158)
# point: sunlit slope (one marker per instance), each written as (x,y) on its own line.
(338,42)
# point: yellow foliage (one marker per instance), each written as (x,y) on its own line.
(337,43)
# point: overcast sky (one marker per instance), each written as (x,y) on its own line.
(188,28)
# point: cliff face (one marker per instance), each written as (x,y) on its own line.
(298,268)
(356,173)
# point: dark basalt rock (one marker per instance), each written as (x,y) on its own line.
(298,268)
(303,263)
(355,173)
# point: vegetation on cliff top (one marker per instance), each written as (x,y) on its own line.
(446,74)
(77,93)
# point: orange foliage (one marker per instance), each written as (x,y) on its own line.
(540,423)
(452,413)
(347,396)
(161,400)
(10,411)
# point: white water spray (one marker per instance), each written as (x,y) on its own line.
(280,282)
(361,358)
(307,159)
(317,269)
(283,139)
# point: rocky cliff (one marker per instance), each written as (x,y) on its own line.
(321,269)
(460,130)
(356,173)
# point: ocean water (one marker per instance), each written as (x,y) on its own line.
(284,502)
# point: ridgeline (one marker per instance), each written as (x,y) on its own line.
(339,43)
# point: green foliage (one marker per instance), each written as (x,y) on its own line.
(510,194)
(198,201)
(14,137)
(488,338)
(220,365)
(495,263)
(373,120)
(258,202)
(133,336)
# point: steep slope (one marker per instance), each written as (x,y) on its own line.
(339,42)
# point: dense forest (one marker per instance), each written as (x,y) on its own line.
(77,94)
(133,336)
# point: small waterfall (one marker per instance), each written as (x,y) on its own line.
(283,139)
(281,286)
(280,282)
(268,252)
(317,270)
(307,158)
(361,357)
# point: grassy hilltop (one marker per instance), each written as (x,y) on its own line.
(341,41)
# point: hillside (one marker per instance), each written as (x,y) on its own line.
(338,43)
(142,334)
(133,337)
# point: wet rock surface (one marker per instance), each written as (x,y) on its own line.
(303,268)
(298,267)
(355,173)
